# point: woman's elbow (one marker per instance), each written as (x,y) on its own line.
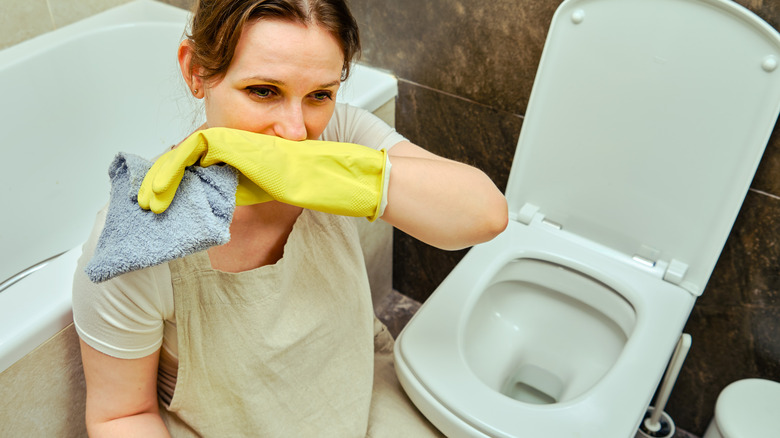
(491,221)
(496,217)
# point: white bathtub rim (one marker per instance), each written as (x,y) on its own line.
(41,304)
(368,88)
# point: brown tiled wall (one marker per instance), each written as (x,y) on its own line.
(466,68)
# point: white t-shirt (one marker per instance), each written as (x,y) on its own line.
(131,316)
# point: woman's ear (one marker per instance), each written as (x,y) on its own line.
(189,71)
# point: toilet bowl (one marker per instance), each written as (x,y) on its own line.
(534,335)
(645,125)
(747,408)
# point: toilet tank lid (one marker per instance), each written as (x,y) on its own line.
(749,408)
(646,123)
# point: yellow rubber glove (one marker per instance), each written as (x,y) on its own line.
(248,193)
(338,178)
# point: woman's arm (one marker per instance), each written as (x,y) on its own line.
(443,203)
(121,395)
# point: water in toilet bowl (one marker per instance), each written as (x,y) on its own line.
(514,346)
(533,384)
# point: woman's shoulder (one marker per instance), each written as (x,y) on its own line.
(351,124)
(148,285)
(121,315)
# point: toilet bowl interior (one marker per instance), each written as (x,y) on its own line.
(544,333)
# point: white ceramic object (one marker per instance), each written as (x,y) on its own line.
(747,408)
(645,126)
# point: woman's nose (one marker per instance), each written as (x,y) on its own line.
(290,124)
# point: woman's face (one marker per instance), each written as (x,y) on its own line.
(282,81)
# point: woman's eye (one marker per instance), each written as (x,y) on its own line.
(263,92)
(322,95)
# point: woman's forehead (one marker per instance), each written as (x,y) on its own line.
(276,46)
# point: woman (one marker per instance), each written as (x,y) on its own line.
(273,333)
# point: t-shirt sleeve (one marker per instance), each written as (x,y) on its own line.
(351,124)
(122,317)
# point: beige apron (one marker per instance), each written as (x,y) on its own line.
(392,413)
(285,350)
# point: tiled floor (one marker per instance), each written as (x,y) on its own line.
(397,309)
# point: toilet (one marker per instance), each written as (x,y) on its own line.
(645,125)
(747,408)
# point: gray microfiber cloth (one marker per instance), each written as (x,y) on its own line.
(133,238)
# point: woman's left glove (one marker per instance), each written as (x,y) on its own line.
(338,178)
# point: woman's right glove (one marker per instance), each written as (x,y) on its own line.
(339,178)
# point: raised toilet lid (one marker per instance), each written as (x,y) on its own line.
(646,123)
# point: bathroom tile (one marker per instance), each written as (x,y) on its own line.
(729,278)
(766,331)
(679,433)
(483,51)
(461,130)
(65,12)
(44,394)
(748,271)
(419,268)
(768,10)
(767,178)
(22,20)
(721,352)
(395,311)
(182,4)
(759,228)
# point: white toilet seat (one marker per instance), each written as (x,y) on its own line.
(610,407)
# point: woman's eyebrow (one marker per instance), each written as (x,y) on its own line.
(331,84)
(283,84)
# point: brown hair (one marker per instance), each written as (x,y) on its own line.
(217,25)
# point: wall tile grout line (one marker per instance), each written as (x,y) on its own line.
(51,14)
(455,96)
(761,192)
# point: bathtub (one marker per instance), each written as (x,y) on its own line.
(72,98)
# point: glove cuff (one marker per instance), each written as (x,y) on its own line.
(380,211)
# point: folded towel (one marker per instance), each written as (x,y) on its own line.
(199,217)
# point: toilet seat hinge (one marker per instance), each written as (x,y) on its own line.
(675,272)
(644,261)
(647,256)
(527,213)
(553,224)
